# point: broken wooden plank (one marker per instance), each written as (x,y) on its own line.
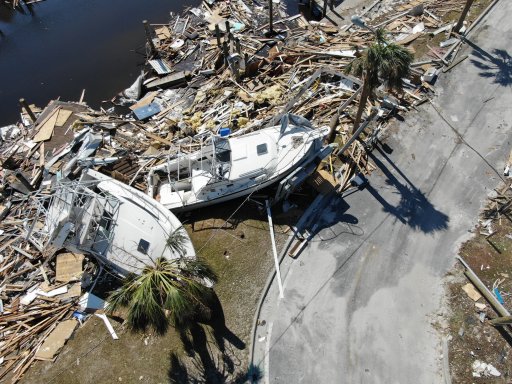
(45,130)
(171,80)
(63,117)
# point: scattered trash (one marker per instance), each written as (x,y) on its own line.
(498,296)
(472,292)
(481,369)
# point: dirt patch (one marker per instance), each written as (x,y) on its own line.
(473,337)
(217,352)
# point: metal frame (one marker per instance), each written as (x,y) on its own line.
(71,201)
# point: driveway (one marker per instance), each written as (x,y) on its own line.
(363,301)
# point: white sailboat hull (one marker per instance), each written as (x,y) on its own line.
(233,167)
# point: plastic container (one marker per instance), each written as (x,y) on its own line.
(223,132)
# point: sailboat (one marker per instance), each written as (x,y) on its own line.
(227,167)
(119,225)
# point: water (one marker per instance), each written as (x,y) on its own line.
(60,47)
(65,46)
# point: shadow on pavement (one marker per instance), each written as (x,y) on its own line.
(335,221)
(413,209)
(497,65)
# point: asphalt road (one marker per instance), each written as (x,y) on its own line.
(363,301)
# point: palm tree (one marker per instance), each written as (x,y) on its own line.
(168,292)
(381,62)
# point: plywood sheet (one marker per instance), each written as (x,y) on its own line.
(56,340)
(69,267)
(63,117)
(472,292)
(45,131)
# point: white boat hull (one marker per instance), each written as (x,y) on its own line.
(234,167)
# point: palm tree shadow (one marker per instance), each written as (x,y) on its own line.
(209,344)
(194,373)
(413,209)
(218,324)
(496,65)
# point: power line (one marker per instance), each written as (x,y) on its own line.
(461,138)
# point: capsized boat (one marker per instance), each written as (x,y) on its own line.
(229,167)
(119,225)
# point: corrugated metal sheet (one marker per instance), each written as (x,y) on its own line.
(160,66)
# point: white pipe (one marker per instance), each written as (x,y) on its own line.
(274,250)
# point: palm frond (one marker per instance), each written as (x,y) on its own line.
(200,269)
(121,297)
(177,241)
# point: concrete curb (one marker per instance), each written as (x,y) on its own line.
(301,225)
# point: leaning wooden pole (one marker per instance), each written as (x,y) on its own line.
(149,38)
(362,102)
(463,15)
(336,117)
(502,311)
(26,107)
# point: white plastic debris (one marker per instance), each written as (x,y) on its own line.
(481,369)
(108,325)
(133,92)
(10,132)
(418,28)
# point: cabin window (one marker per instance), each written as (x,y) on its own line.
(262,149)
(106,220)
(143,246)
(222,150)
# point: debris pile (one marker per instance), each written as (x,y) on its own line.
(221,65)
(40,287)
(479,302)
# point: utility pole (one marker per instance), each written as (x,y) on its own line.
(270,17)
(149,38)
(463,15)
